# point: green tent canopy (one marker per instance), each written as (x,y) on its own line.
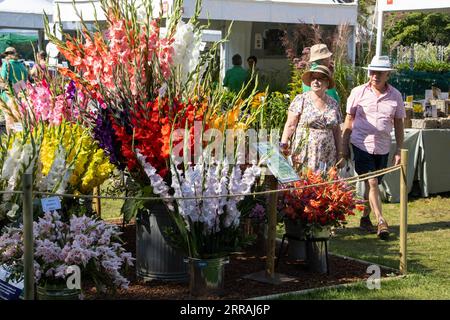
(23,44)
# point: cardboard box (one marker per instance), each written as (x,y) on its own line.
(444,123)
(442,107)
(425,123)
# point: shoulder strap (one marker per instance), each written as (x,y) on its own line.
(8,71)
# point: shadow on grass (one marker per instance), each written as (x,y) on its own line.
(395,230)
(359,244)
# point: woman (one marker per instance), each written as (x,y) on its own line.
(40,67)
(14,75)
(315,118)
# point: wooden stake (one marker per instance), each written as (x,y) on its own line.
(272,226)
(97,201)
(28,257)
(403,210)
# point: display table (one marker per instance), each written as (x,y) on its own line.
(428,162)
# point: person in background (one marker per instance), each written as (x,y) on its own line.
(252,61)
(320,55)
(315,118)
(40,67)
(252,72)
(372,110)
(13,71)
(236,77)
(15,75)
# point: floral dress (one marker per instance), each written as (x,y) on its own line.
(314,144)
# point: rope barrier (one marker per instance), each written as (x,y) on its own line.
(11,192)
(350,180)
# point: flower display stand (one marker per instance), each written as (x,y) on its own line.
(57,292)
(314,247)
(206,276)
(155,257)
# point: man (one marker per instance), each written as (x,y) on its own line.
(320,55)
(372,109)
(236,77)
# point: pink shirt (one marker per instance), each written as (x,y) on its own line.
(374,117)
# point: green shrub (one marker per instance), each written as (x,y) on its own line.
(426,66)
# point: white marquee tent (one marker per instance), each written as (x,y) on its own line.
(24,14)
(331,12)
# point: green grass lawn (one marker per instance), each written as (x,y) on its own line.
(111,209)
(428,253)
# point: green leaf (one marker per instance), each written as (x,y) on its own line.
(130,208)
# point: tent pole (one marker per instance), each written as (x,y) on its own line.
(41,40)
(379,47)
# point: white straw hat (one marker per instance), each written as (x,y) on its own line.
(380,63)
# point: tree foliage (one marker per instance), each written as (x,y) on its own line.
(417,28)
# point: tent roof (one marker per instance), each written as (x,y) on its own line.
(332,12)
(27,6)
(24,14)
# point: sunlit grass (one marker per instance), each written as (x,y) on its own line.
(428,253)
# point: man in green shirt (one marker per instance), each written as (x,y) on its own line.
(320,55)
(236,77)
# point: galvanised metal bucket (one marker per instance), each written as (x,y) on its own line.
(317,250)
(295,232)
(155,257)
(206,276)
(52,292)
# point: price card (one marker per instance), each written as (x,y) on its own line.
(51,204)
(277,163)
(17,127)
(9,290)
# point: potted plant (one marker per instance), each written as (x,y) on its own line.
(62,246)
(317,206)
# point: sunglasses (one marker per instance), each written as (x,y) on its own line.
(317,77)
(371,72)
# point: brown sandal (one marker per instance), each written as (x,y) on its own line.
(383,230)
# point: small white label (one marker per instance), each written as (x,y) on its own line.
(51,204)
(17,127)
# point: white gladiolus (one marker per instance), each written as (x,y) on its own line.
(11,160)
(58,175)
(158,184)
(18,160)
(205,180)
(186,45)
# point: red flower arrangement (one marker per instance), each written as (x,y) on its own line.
(129,72)
(320,206)
(151,130)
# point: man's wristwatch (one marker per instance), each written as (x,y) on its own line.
(283,145)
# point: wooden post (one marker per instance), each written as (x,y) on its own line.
(97,201)
(272,226)
(28,257)
(403,210)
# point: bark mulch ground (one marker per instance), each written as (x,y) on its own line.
(341,271)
